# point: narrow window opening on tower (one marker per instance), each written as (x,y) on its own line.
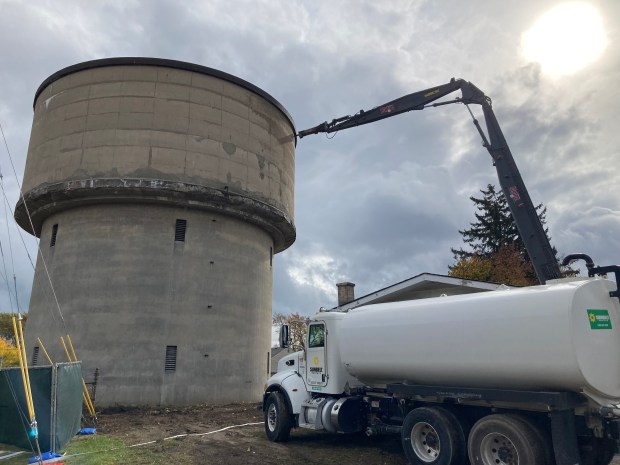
(270,256)
(179,231)
(171,359)
(35,356)
(54,234)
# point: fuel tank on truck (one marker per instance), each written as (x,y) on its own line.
(560,336)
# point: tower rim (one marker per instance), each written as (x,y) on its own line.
(164,63)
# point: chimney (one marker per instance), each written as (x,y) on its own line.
(346,293)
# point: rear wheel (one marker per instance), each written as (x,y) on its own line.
(433,435)
(506,440)
(278,420)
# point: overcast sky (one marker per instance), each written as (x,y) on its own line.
(383,202)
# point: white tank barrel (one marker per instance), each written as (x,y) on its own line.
(562,336)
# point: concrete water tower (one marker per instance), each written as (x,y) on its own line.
(160,191)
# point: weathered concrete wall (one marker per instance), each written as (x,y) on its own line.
(127,290)
(119,151)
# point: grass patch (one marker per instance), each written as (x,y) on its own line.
(101,449)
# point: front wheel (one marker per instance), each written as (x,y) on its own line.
(278,420)
(433,435)
(505,440)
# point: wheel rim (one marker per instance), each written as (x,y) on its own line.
(497,449)
(425,442)
(272,418)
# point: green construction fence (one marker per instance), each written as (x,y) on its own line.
(57,398)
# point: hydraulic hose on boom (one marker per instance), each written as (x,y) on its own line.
(523,211)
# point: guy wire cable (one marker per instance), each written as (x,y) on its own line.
(19,336)
(21,194)
(8,234)
(6,274)
(6,279)
(37,278)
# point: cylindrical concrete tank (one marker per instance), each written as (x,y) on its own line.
(160,191)
(563,336)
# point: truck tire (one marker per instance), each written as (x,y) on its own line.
(506,440)
(278,420)
(433,435)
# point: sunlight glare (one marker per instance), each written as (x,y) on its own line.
(565,39)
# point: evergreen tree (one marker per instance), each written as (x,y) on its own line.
(496,251)
(494,228)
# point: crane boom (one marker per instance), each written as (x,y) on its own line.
(523,211)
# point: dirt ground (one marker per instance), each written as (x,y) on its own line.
(245,445)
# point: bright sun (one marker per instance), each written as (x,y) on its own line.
(565,39)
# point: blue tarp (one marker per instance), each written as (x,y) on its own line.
(84,431)
(44,456)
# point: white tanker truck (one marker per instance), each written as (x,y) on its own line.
(516,376)
(527,376)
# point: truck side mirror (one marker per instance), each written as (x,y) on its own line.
(284,336)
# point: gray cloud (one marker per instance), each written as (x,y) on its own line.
(379,203)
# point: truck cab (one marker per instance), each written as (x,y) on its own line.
(309,383)
(319,366)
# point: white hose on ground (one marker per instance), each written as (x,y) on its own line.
(178,436)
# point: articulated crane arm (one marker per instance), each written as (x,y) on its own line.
(524,213)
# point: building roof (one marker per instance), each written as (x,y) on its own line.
(419,287)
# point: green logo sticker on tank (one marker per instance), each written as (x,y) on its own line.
(599,319)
